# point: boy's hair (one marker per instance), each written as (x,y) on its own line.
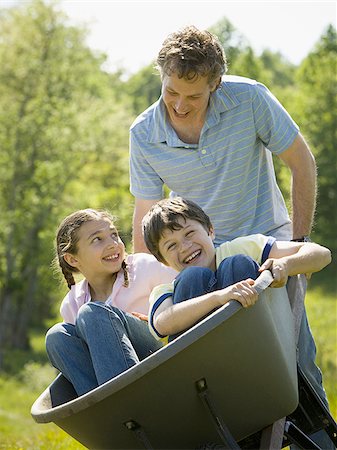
(67,239)
(165,215)
(191,53)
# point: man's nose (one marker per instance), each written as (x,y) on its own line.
(180,105)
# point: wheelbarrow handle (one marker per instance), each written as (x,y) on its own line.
(263,281)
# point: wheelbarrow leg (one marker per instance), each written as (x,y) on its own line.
(295,436)
(225,435)
(139,433)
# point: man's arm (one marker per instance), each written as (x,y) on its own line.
(301,162)
(140,209)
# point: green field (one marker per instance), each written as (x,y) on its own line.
(27,375)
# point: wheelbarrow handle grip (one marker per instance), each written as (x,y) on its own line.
(263,281)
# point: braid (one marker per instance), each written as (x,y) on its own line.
(126,274)
(68,276)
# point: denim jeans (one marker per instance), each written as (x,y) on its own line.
(103,343)
(196,281)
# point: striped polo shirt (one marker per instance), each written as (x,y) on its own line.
(230,172)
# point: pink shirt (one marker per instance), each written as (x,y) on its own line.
(145,272)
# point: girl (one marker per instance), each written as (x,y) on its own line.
(104,332)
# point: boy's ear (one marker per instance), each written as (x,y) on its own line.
(212,233)
(70,259)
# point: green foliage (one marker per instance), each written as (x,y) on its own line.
(280,72)
(316,105)
(144,88)
(64,125)
(248,65)
(232,40)
(60,123)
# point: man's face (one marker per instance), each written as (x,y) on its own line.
(191,245)
(186,101)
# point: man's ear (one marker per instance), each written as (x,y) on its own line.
(215,85)
(211,233)
(70,259)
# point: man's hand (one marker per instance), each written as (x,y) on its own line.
(279,270)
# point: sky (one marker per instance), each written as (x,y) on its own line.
(131,32)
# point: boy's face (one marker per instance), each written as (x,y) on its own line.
(191,245)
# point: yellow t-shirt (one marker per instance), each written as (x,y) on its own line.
(257,246)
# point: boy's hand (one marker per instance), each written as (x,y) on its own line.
(140,316)
(243,292)
(279,270)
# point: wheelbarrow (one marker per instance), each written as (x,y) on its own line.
(229,380)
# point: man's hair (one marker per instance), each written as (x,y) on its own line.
(191,53)
(165,215)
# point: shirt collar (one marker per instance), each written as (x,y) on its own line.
(222,100)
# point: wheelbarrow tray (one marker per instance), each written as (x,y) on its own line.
(246,356)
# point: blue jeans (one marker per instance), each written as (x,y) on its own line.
(195,281)
(103,343)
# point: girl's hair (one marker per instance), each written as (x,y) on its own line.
(67,239)
(191,53)
(165,215)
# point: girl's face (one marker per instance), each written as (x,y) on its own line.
(100,251)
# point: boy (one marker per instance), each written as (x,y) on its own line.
(179,234)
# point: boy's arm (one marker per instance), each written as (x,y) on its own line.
(172,318)
(292,258)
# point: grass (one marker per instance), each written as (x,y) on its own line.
(27,374)
(322,315)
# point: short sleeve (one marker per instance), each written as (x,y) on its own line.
(257,246)
(274,126)
(158,295)
(144,181)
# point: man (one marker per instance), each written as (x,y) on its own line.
(210,139)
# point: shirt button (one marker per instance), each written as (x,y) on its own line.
(204,152)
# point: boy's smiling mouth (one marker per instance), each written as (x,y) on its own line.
(192,257)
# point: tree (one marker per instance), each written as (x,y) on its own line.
(247,64)
(231,39)
(58,117)
(144,88)
(317,109)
